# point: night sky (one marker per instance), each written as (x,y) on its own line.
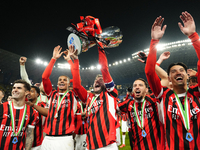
(33,29)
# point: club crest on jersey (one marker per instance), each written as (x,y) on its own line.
(26,117)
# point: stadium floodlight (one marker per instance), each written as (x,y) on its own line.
(129,59)
(108,65)
(116,63)
(160,47)
(120,61)
(92,67)
(45,63)
(86,68)
(67,66)
(124,60)
(99,66)
(38,61)
(82,68)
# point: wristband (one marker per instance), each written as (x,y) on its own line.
(157,64)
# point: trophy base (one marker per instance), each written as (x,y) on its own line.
(74,40)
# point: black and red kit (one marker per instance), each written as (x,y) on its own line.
(173,122)
(61,122)
(6,133)
(101,108)
(153,126)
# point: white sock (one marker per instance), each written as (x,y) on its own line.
(123,139)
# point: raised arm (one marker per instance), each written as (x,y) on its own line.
(23,72)
(160,72)
(47,72)
(105,71)
(152,77)
(189,29)
(77,87)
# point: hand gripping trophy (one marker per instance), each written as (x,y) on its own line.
(89,33)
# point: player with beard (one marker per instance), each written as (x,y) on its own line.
(62,105)
(180,106)
(17,120)
(101,106)
(143,113)
(38,132)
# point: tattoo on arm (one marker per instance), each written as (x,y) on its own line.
(29,138)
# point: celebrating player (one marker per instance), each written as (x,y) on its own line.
(143,112)
(17,119)
(101,106)
(62,105)
(38,132)
(180,107)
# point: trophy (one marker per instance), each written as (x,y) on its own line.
(88,33)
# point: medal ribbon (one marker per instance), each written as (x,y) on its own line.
(82,107)
(90,107)
(59,100)
(37,100)
(184,114)
(13,119)
(140,123)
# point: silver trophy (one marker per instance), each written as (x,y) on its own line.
(110,37)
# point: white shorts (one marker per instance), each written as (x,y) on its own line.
(118,140)
(108,147)
(80,142)
(36,148)
(58,142)
(124,126)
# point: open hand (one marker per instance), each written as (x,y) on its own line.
(191,72)
(70,53)
(188,22)
(156,31)
(57,52)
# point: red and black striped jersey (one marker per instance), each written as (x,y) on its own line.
(101,120)
(64,122)
(6,133)
(101,109)
(80,125)
(153,127)
(38,131)
(124,116)
(173,123)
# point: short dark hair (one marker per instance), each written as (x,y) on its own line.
(145,82)
(65,76)
(193,79)
(174,64)
(26,85)
(36,88)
